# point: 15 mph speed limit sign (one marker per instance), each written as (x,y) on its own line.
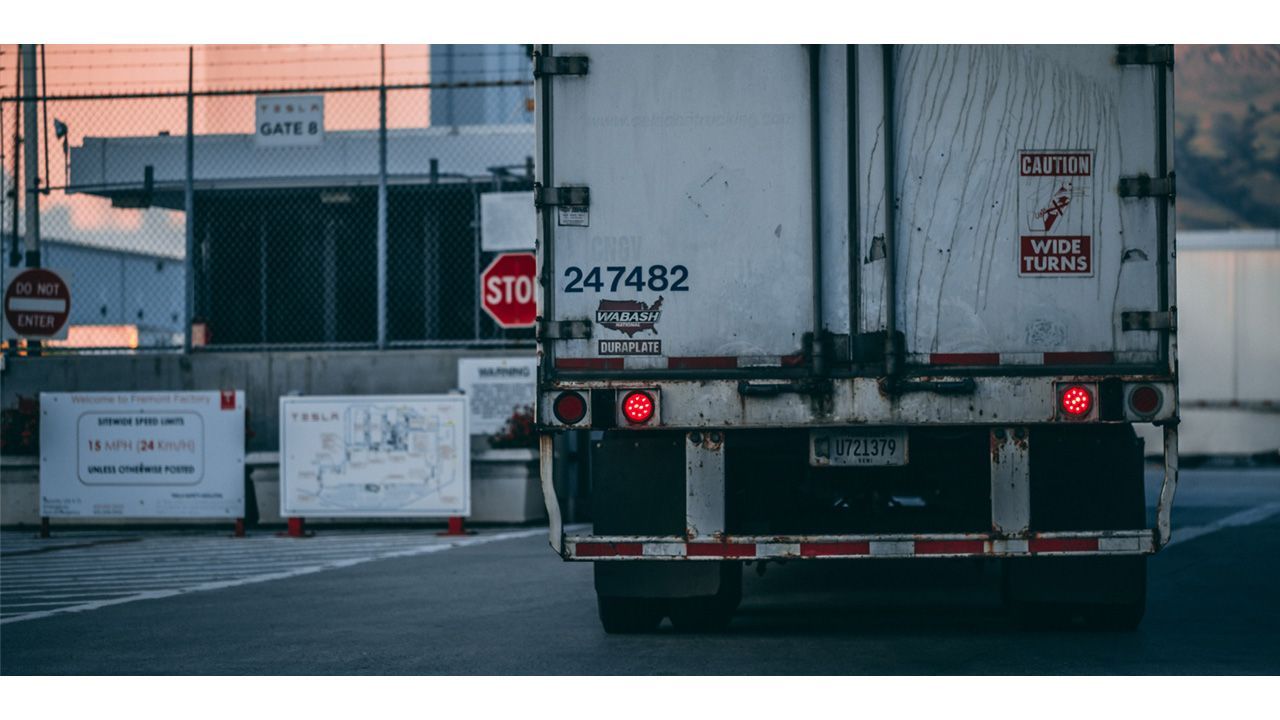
(37,303)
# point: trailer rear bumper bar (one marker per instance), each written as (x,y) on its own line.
(763,547)
(707,540)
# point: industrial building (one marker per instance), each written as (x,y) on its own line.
(123,298)
(285,251)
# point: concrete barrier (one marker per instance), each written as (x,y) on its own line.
(502,492)
(264,377)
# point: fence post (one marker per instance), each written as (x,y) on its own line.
(475,261)
(31,142)
(382,197)
(31,154)
(189,205)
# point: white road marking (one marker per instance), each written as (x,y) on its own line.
(31,576)
(71,596)
(1240,519)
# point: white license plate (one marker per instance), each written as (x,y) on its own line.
(841,448)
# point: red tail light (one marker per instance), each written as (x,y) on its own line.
(1145,400)
(637,407)
(569,408)
(1077,401)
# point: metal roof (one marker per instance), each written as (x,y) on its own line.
(115,167)
(1228,239)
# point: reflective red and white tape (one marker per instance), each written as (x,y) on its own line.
(1112,543)
(716,362)
(965,359)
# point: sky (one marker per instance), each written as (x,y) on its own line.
(121,69)
(1216,87)
(133,68)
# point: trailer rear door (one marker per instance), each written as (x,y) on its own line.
(1013,243)
(695,251)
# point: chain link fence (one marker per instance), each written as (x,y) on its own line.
(317,215)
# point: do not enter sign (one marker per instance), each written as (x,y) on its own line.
(507,290)
(36,305)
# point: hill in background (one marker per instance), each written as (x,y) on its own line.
(1227,145)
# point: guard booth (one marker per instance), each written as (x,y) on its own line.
(286,237)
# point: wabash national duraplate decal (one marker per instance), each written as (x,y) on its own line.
(1055,213)
(629,317)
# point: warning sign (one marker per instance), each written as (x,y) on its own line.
(1055,213)
(1056,255)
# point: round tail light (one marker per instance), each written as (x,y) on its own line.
(1145,400)
(637,407)
(569,408)
(1077,401)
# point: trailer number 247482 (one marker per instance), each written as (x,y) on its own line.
(658,278)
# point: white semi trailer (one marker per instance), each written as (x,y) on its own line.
(869,302)
(1228,349)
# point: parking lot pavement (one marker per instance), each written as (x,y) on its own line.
(78,571)
(503,603)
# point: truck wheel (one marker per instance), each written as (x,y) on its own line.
(710,613)
(1099,593)
(1124,614)
(1117,618)
(629,615)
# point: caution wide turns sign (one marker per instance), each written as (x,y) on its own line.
(1055,213)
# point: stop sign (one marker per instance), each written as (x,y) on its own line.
(507,290)
(36,304)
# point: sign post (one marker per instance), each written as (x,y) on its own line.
(507,290)
(37,303)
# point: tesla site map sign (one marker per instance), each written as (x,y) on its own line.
(375,456)
(142,454)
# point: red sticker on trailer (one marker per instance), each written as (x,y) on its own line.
(1055,213)
(1055,255)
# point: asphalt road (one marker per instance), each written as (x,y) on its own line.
(365,603)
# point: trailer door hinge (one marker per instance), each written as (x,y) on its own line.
(1144,55)
(559,65)
(564,329)
(1147,320)
(575,195)
(1144,186)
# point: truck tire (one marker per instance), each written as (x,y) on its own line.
(1124,615)
(629,615)
(1096,593)
(709,613)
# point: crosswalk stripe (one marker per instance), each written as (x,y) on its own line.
(162,570)
(81,576)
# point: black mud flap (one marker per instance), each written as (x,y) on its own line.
(638,483)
